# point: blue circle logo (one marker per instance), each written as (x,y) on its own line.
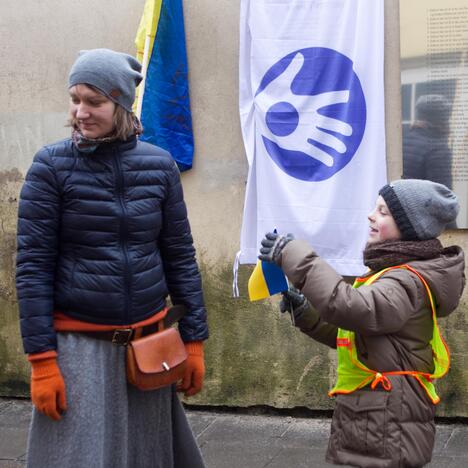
(315,113)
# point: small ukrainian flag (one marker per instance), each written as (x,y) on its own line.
(266,279)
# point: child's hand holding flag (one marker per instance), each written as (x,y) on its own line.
(267,278)
(272,245)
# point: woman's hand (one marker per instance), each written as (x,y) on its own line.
(192,382)
(48,388)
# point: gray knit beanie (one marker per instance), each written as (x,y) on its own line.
(421,208)
(115,74)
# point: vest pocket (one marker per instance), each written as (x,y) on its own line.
(362,420)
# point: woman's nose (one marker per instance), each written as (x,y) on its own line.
(82,111)
(370,216)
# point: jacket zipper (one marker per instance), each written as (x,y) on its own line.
(123,232)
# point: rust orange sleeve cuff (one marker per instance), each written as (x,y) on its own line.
(40,356)
(194,348)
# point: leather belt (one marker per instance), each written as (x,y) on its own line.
(123,336)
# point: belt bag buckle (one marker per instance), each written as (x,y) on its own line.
(122,336)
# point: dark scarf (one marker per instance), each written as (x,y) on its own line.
(390,253)
(88,145)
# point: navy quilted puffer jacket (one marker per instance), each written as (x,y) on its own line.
(104,237)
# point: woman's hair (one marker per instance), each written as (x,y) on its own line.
(124,121)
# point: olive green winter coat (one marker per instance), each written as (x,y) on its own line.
(392,320)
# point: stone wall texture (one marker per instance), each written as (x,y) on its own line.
(254,355)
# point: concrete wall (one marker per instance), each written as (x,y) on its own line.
(254,356)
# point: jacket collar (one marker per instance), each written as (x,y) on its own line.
(120,145)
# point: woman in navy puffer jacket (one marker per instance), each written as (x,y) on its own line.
(103,239)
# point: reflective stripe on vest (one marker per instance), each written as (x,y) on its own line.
(353,374)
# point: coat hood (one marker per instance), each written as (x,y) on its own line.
(446,278)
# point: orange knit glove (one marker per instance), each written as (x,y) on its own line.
(192,382)
(48,388)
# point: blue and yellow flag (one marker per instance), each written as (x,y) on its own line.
(266,279)
(165,106)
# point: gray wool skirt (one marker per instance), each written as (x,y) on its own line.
(108,423)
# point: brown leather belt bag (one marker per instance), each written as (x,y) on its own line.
(159,359)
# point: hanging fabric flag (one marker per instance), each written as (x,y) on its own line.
(163,102)
(312,116)
(266,279)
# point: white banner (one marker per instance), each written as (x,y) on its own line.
(312,116)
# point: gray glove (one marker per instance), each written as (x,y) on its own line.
(272,245)
(295,303)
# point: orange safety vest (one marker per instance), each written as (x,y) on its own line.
(352,374)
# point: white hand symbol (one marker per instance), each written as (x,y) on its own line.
(311,125)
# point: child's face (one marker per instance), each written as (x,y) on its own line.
(382,226)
